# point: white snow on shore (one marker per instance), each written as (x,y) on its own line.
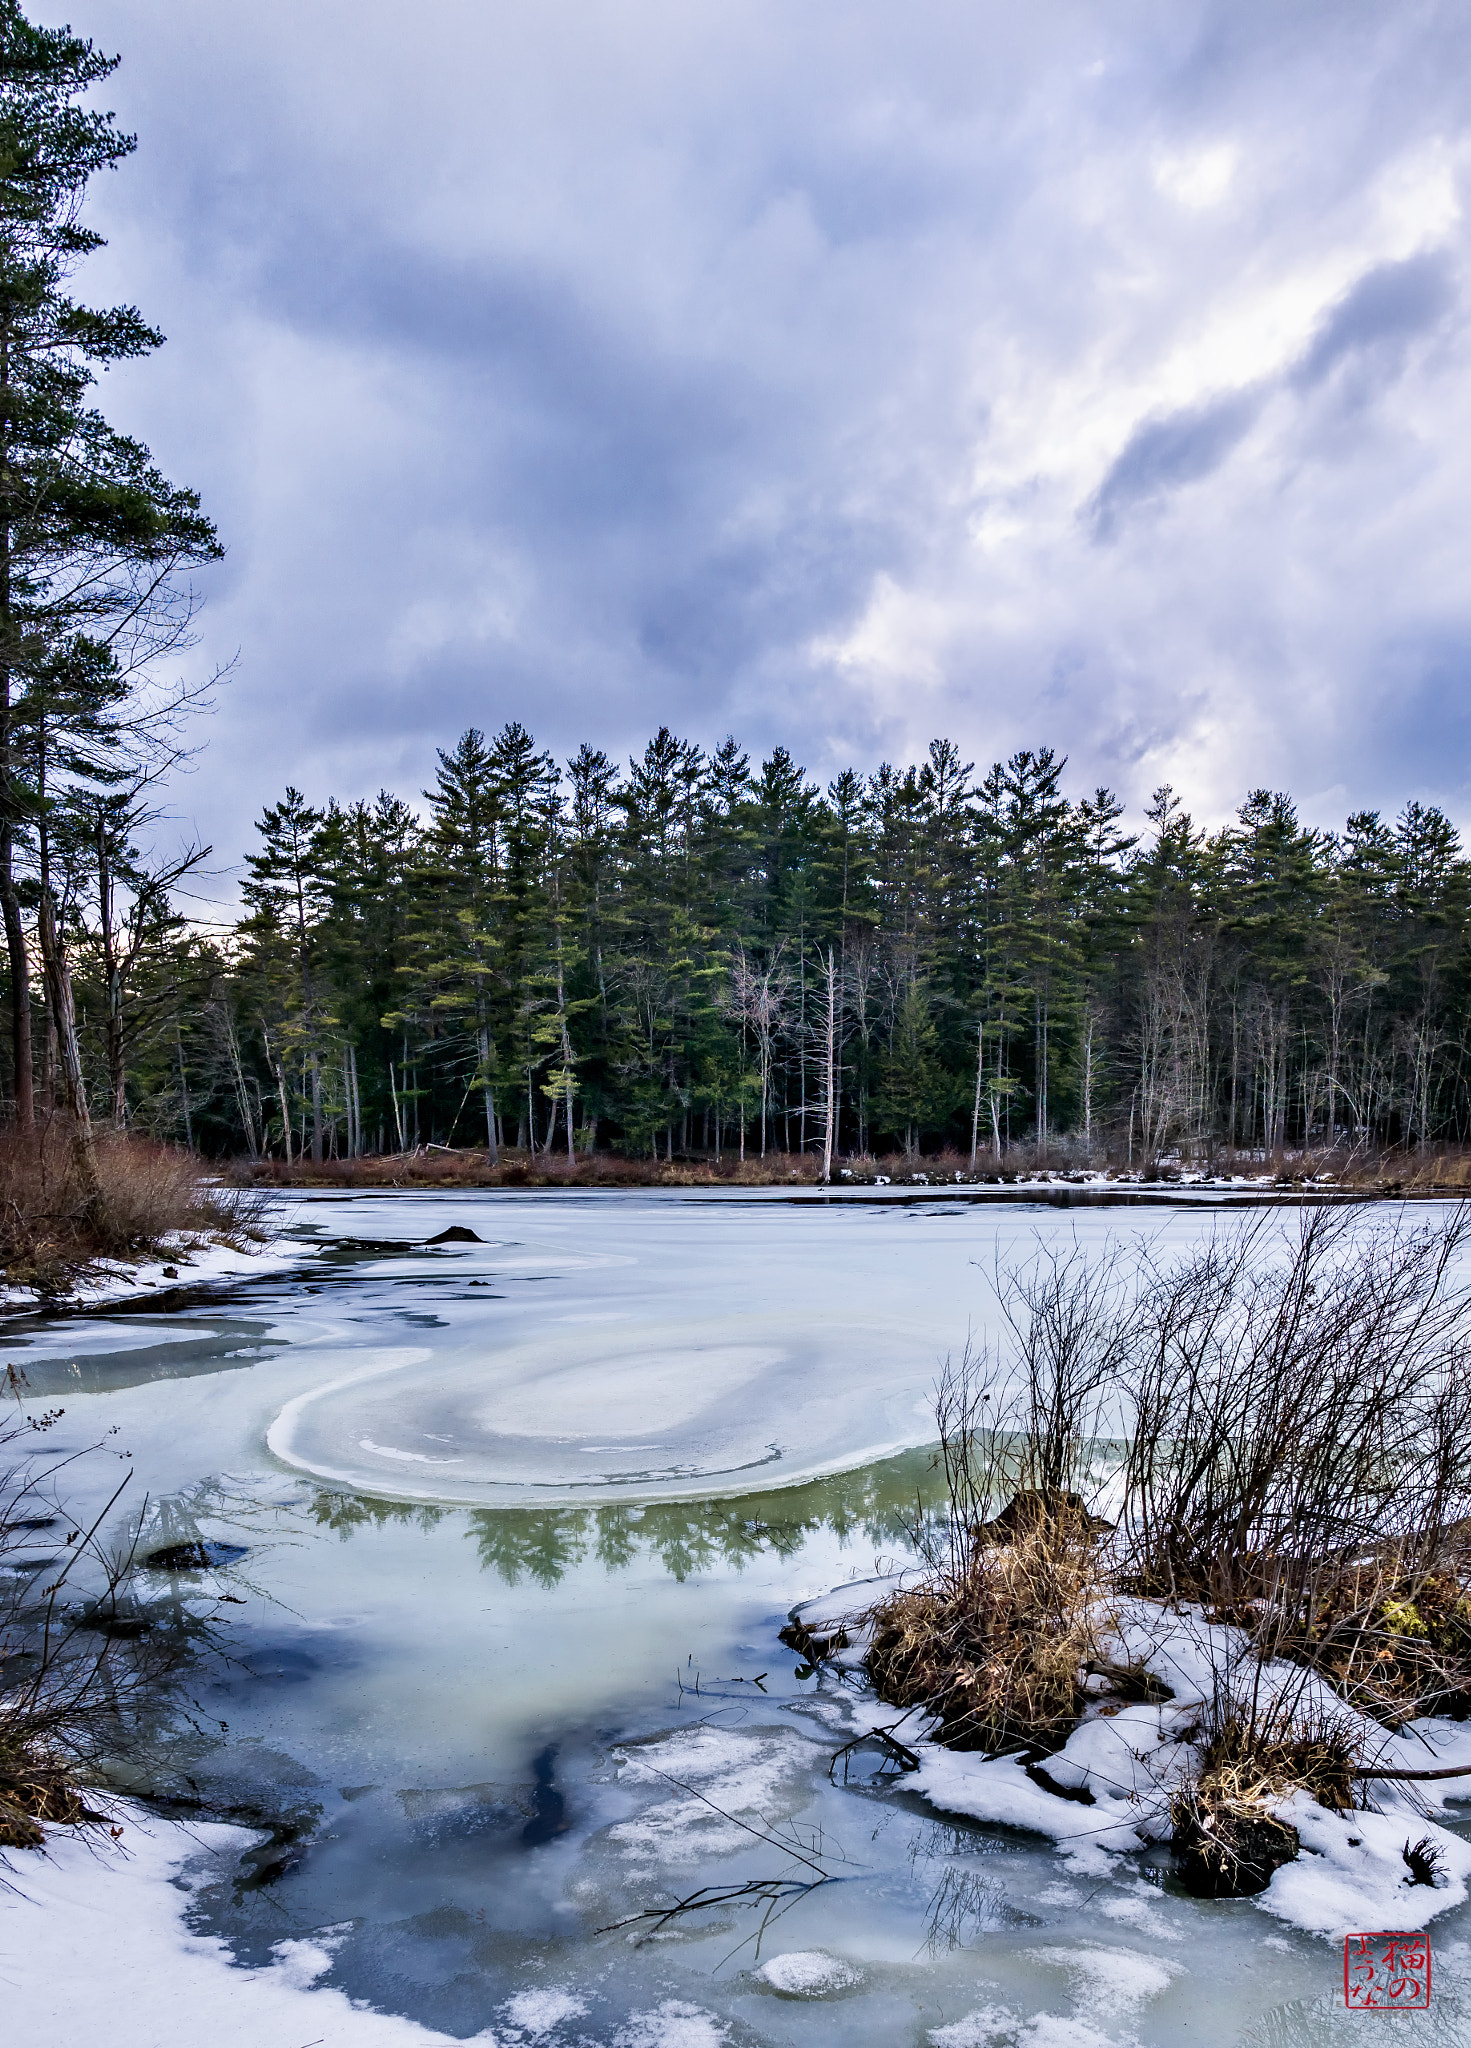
(1127,1761)
(188,1261)
(93,1947)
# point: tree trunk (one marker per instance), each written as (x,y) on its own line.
(1088,1079)
(285,1111)
(112,977)
(20,987)
(490,1130)
(829,1131)
(241,1092)
(316,1074)
(183,1086)
(397,1112)
(15,938)
(59,989)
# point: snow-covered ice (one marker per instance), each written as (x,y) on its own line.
(413,1644)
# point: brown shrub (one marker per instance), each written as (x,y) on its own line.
(996,1652)
(1394,1640)
(52,1228)
(38,1789)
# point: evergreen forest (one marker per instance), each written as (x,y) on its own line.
(693,954)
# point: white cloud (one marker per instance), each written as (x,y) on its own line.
(842,376)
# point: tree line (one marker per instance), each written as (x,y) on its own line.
(697,954)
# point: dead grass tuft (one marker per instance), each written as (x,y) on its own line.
(1228,1837)
(53,1230)
(38,1789)
(996,1652)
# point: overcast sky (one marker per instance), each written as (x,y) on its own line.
(833,374)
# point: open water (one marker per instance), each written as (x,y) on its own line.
(517,1524)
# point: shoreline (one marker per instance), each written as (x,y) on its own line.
(438,1169)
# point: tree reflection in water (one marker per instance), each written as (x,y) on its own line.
(878,1502)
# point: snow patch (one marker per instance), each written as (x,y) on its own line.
(94,1947)
(993,2026)
(1113,1981)
(674,2024)
(808,1973)
(536,2013)
(196,1260)
(1352,1873)
(721,1779)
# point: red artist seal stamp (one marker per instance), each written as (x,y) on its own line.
(1386,1972)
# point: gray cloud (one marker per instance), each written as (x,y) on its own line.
(1385,310)
(748,369)
(1162,455)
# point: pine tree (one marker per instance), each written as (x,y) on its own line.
(93,540)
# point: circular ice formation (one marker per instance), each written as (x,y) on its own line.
(578,1413)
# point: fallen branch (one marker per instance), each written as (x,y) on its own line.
(901,1753)
(1452,1771)
(769,1890)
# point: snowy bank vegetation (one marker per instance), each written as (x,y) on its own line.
(1204,1570)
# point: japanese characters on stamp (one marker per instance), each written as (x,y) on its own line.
(1386,1972)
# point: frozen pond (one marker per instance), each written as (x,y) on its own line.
(521,1520)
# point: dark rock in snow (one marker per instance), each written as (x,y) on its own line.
(1225,1855)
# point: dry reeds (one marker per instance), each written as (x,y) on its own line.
(1299,1451)
(53,1227)
(1228,1835)
(995,1654)
(83,1661)
(994,1641)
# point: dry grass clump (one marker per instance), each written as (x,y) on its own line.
(1227,1835)
(38,1789)
(995,1654)
(53,1227)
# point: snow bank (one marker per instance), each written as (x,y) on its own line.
(1352,1875)
(1117,1773)
(194,1261)
(93,1947)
